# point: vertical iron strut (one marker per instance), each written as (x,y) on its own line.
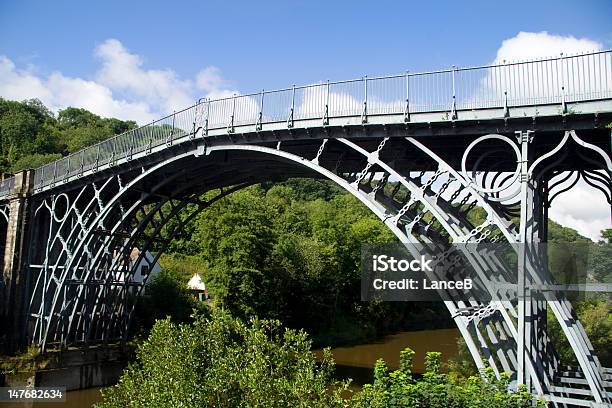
(525,235)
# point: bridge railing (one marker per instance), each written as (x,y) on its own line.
(570,78)
(6,186)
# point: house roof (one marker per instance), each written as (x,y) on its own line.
(196,283)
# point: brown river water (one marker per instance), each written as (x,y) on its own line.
(351,362)
(356,362)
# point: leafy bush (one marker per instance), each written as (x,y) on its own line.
(223,362)
(436,389)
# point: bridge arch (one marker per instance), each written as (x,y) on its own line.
(84,291)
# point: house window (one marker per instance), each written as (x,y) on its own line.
(144,270)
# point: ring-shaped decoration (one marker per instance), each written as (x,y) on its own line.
(55,200)
(510,182)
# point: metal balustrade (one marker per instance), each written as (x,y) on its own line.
(557,80)
(6,186)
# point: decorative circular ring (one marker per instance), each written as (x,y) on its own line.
(471,180)
(65,196)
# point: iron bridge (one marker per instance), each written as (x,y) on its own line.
(423,151)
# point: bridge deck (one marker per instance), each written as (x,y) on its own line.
(544,95)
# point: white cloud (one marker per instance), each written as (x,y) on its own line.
(123,72)
(582,208)
(541,82)
(122,88)
(209,81)
(526,45)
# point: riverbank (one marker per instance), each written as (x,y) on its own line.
(354,362)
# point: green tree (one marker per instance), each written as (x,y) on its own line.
(33,161)
(606,234)
(81,128)
(223,362)
(273,252)
(30,135)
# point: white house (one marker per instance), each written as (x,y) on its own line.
(195,284)
(143,271)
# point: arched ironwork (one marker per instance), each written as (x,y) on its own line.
(424,162)
(85,290)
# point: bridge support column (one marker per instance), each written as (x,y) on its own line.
(14,281)
(531,228)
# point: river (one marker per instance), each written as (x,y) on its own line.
(354,362)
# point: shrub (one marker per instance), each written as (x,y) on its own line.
(223,362)
(436,389)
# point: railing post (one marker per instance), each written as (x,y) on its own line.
(67,167)
(454,104)
(207,116)
(195,118)
(169,138)
(326,112)
(132,143)
(42,176)
(198,122)
(230,125)
(82,162)
(506,109)
(98,157)
(407,108)
(259,121)
(563,102)
(150,144)
(112,160)
(290,118)
(561,78)
(364,114)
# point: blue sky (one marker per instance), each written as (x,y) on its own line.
(142,60)
(272,44)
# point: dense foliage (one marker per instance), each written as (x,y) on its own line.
(31,135)
(223,362)
(436,389)
(220,361)
(292,252)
